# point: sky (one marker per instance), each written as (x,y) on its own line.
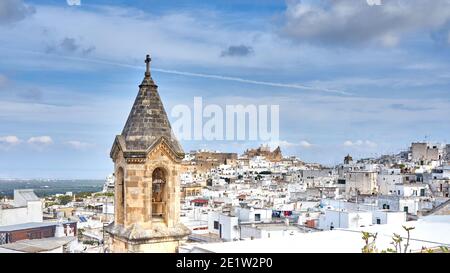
(348,77)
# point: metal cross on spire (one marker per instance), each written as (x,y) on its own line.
(147,61)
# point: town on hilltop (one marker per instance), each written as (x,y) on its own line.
(261,201)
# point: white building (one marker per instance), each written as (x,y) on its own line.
(342,204)
(25,208)
(225,226)
(386,182)
(407,204)
(442,172)
(332,219)
(408,190)
(259,164)
(253,214)
(265,231)
(382,217)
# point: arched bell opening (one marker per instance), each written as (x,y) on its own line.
(159,193)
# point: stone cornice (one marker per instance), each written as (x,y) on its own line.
(140,156)
(138,234)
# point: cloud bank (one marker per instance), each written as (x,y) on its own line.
(12,11)
(343,22)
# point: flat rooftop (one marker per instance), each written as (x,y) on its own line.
(27,226)
(32,225)
(429,232)
(37,245)
(275,227)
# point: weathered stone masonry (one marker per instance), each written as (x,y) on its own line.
(147,160)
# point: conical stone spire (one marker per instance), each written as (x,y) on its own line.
(147,122)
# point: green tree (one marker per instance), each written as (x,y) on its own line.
(107,194)
(64,199)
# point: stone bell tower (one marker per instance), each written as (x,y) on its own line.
(147,159)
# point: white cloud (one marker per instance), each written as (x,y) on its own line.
(78,145)
(9,140)
(281,144)
(360,143)
(40,140)
(355,22)
(370,144)
(74,2)
(306,144)
(287,144)
(348,143)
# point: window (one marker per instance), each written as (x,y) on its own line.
(422,192)
(378,221)
(405,209)
(216,224)
(257,217)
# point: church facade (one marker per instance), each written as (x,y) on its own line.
(147,163)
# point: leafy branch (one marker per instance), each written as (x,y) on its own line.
(369,246)
(397,240)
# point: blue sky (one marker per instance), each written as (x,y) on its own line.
(69,74)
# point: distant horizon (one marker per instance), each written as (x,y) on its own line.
(284,156)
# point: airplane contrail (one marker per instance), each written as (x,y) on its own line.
(192,74)
(274,84)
